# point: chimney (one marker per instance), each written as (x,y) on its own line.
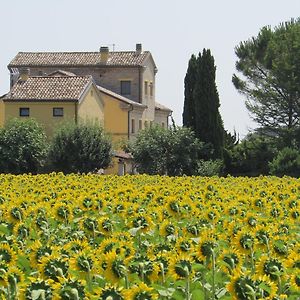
(138,49)
(104,51)
(24,74)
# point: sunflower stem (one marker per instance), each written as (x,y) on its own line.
(213,274)
(252,260)
(187,289)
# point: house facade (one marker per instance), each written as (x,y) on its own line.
(130,74)
(52,100)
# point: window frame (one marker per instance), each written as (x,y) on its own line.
(55,114)
(132,125)
(151,89)
(24,109)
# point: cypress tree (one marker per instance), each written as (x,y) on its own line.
(189,85)
(203,102)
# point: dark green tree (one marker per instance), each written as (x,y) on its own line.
(270,68)
(201,107)
(287,162)
(175,151)
(189,86)
(80,148)
(23,147)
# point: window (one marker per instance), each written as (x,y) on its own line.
(163,124)
(125,87)
(146,87)
(151,89)
(58,112)
(140,125)
(24,111)
(146,124)
(132,126)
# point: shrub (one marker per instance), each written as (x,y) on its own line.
(23,147)
(80,148)
(175,151)
(287,162)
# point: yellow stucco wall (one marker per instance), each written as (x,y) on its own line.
(91,108)
(42,112)
(116,118)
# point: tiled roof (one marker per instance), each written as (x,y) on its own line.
(49,88)
(120,97)
(123,58)
(159,106)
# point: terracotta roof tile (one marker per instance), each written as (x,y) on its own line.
(123,58)
(49,88)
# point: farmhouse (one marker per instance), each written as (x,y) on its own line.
(116,89)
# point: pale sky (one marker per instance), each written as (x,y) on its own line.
(171,29)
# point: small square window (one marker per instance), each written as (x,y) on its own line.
(24,111)
(125,87)
(58,112)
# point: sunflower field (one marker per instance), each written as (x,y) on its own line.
(149,237)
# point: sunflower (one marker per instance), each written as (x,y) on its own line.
(38,289)
(295,281)
(140,292)
(266,289)
(262,236)
(53,266)
(38,251)
(143,222)
(112,292)
(244,241)
(15,278)
(83,262)
(272,267)
(106,226)
(8,255)
(181,266)
(62,212)
(207,245)
(21,231)
(76,246)
(242,287)
(184,245)
(167,228)
(232,261)
(114,266)
(70,289)
(293,261)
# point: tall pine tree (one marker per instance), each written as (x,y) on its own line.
(201,104)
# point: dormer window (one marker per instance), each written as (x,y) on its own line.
(125,87)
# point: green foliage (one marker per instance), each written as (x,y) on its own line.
(270,67)
(201,105)
(287,162)
(173,152)
(23,147)
(82,148)
(251,156)
(210,167)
